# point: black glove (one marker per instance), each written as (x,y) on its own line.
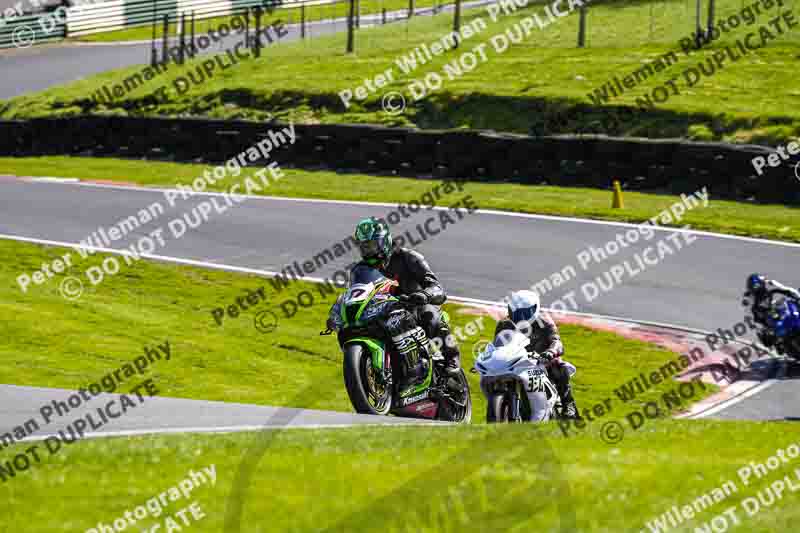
(415,298)
(547,356)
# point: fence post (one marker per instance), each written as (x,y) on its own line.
(182,36)
(383,16)
(193,43)
(165,39)
(153,51)
(247,43)
(582,27)
(257,44)
(410,8)
(457,21)
(710,18)
(698,26)
(350,30)
(358,14)
(303,21)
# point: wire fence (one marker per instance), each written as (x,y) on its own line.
(629,24)
(614,23)
(308,23)
(610,23)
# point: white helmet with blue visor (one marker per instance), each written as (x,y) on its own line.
(523,306)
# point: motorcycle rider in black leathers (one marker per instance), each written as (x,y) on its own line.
(525,316)
(418,284)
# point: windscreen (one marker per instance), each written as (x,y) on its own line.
(363,274)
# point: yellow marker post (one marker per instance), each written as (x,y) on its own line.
(617,202)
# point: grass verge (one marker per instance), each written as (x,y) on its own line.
(473,478)
(738,218)
(752,99)
(146,303)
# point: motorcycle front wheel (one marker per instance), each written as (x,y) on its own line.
(499,408)
(364,386)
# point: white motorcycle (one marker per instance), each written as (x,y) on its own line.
(515,383)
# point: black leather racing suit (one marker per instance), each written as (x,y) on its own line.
(545,337)
(412,272)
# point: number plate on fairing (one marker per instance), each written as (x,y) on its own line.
(536,379)
(358,293)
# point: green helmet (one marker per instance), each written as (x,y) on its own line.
(374,240)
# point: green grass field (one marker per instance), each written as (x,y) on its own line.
(754,99)
(146,303)
(392,479)
(476,478)
(738,218)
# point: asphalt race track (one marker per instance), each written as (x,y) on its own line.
(483,255)
(38,67)
(166,415)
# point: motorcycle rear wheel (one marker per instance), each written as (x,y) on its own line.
(457,413)
(362,383)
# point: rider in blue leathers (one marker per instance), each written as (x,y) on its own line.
(758,297)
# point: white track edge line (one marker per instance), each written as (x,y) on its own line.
(227,429)
(721,406)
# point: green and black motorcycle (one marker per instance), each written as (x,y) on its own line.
(390,365)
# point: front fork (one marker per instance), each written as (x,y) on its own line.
(516,416)
(387,371)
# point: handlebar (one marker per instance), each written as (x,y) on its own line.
(536,356)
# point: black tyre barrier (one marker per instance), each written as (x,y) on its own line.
(662,165)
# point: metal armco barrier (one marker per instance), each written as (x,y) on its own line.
(26,30)
(118,14)
(670,166)
(88,17)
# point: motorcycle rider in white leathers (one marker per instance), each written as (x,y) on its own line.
(525,316)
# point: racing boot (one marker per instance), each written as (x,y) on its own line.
(444,342)
(569,409)
(449,347)
(452,361)
(560,376)
(766,338)
(452,367)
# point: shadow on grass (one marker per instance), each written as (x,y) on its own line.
(532,115)
(468,486)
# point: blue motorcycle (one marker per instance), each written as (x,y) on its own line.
(777,313)
(784,323)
